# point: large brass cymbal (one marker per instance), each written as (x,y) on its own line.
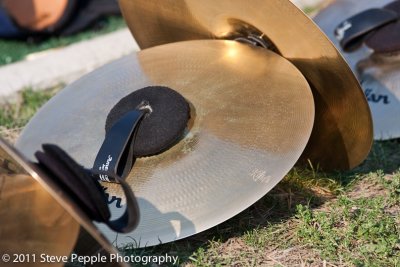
(32,222)
(250,122)
(342,135)
(38,219)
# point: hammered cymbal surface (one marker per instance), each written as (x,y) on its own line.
(250,122)
(342,135)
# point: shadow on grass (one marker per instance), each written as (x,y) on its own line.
(305,186)
(274,208)
(384,156)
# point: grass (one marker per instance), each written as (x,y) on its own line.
(311,218)
(15,115)
(12,50)
(359,232)
(309,10)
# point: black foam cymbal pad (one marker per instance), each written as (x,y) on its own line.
(162,126)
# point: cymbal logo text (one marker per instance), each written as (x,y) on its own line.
(374,98)
(104,168)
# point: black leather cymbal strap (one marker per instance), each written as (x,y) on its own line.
(115,158)
(352,32)
(130,219)
(79,185)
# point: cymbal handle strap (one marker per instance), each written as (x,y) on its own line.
(129,220)
(86,191)
(115,157)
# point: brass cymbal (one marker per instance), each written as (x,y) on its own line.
(250,122)
(37,218)
(342,135)
(28,226)
(31,221)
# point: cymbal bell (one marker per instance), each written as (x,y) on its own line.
(342,135)
(37,218)
(251,116)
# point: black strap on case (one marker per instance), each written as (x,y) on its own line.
(352,32)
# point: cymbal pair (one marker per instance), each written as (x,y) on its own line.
(261,86)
